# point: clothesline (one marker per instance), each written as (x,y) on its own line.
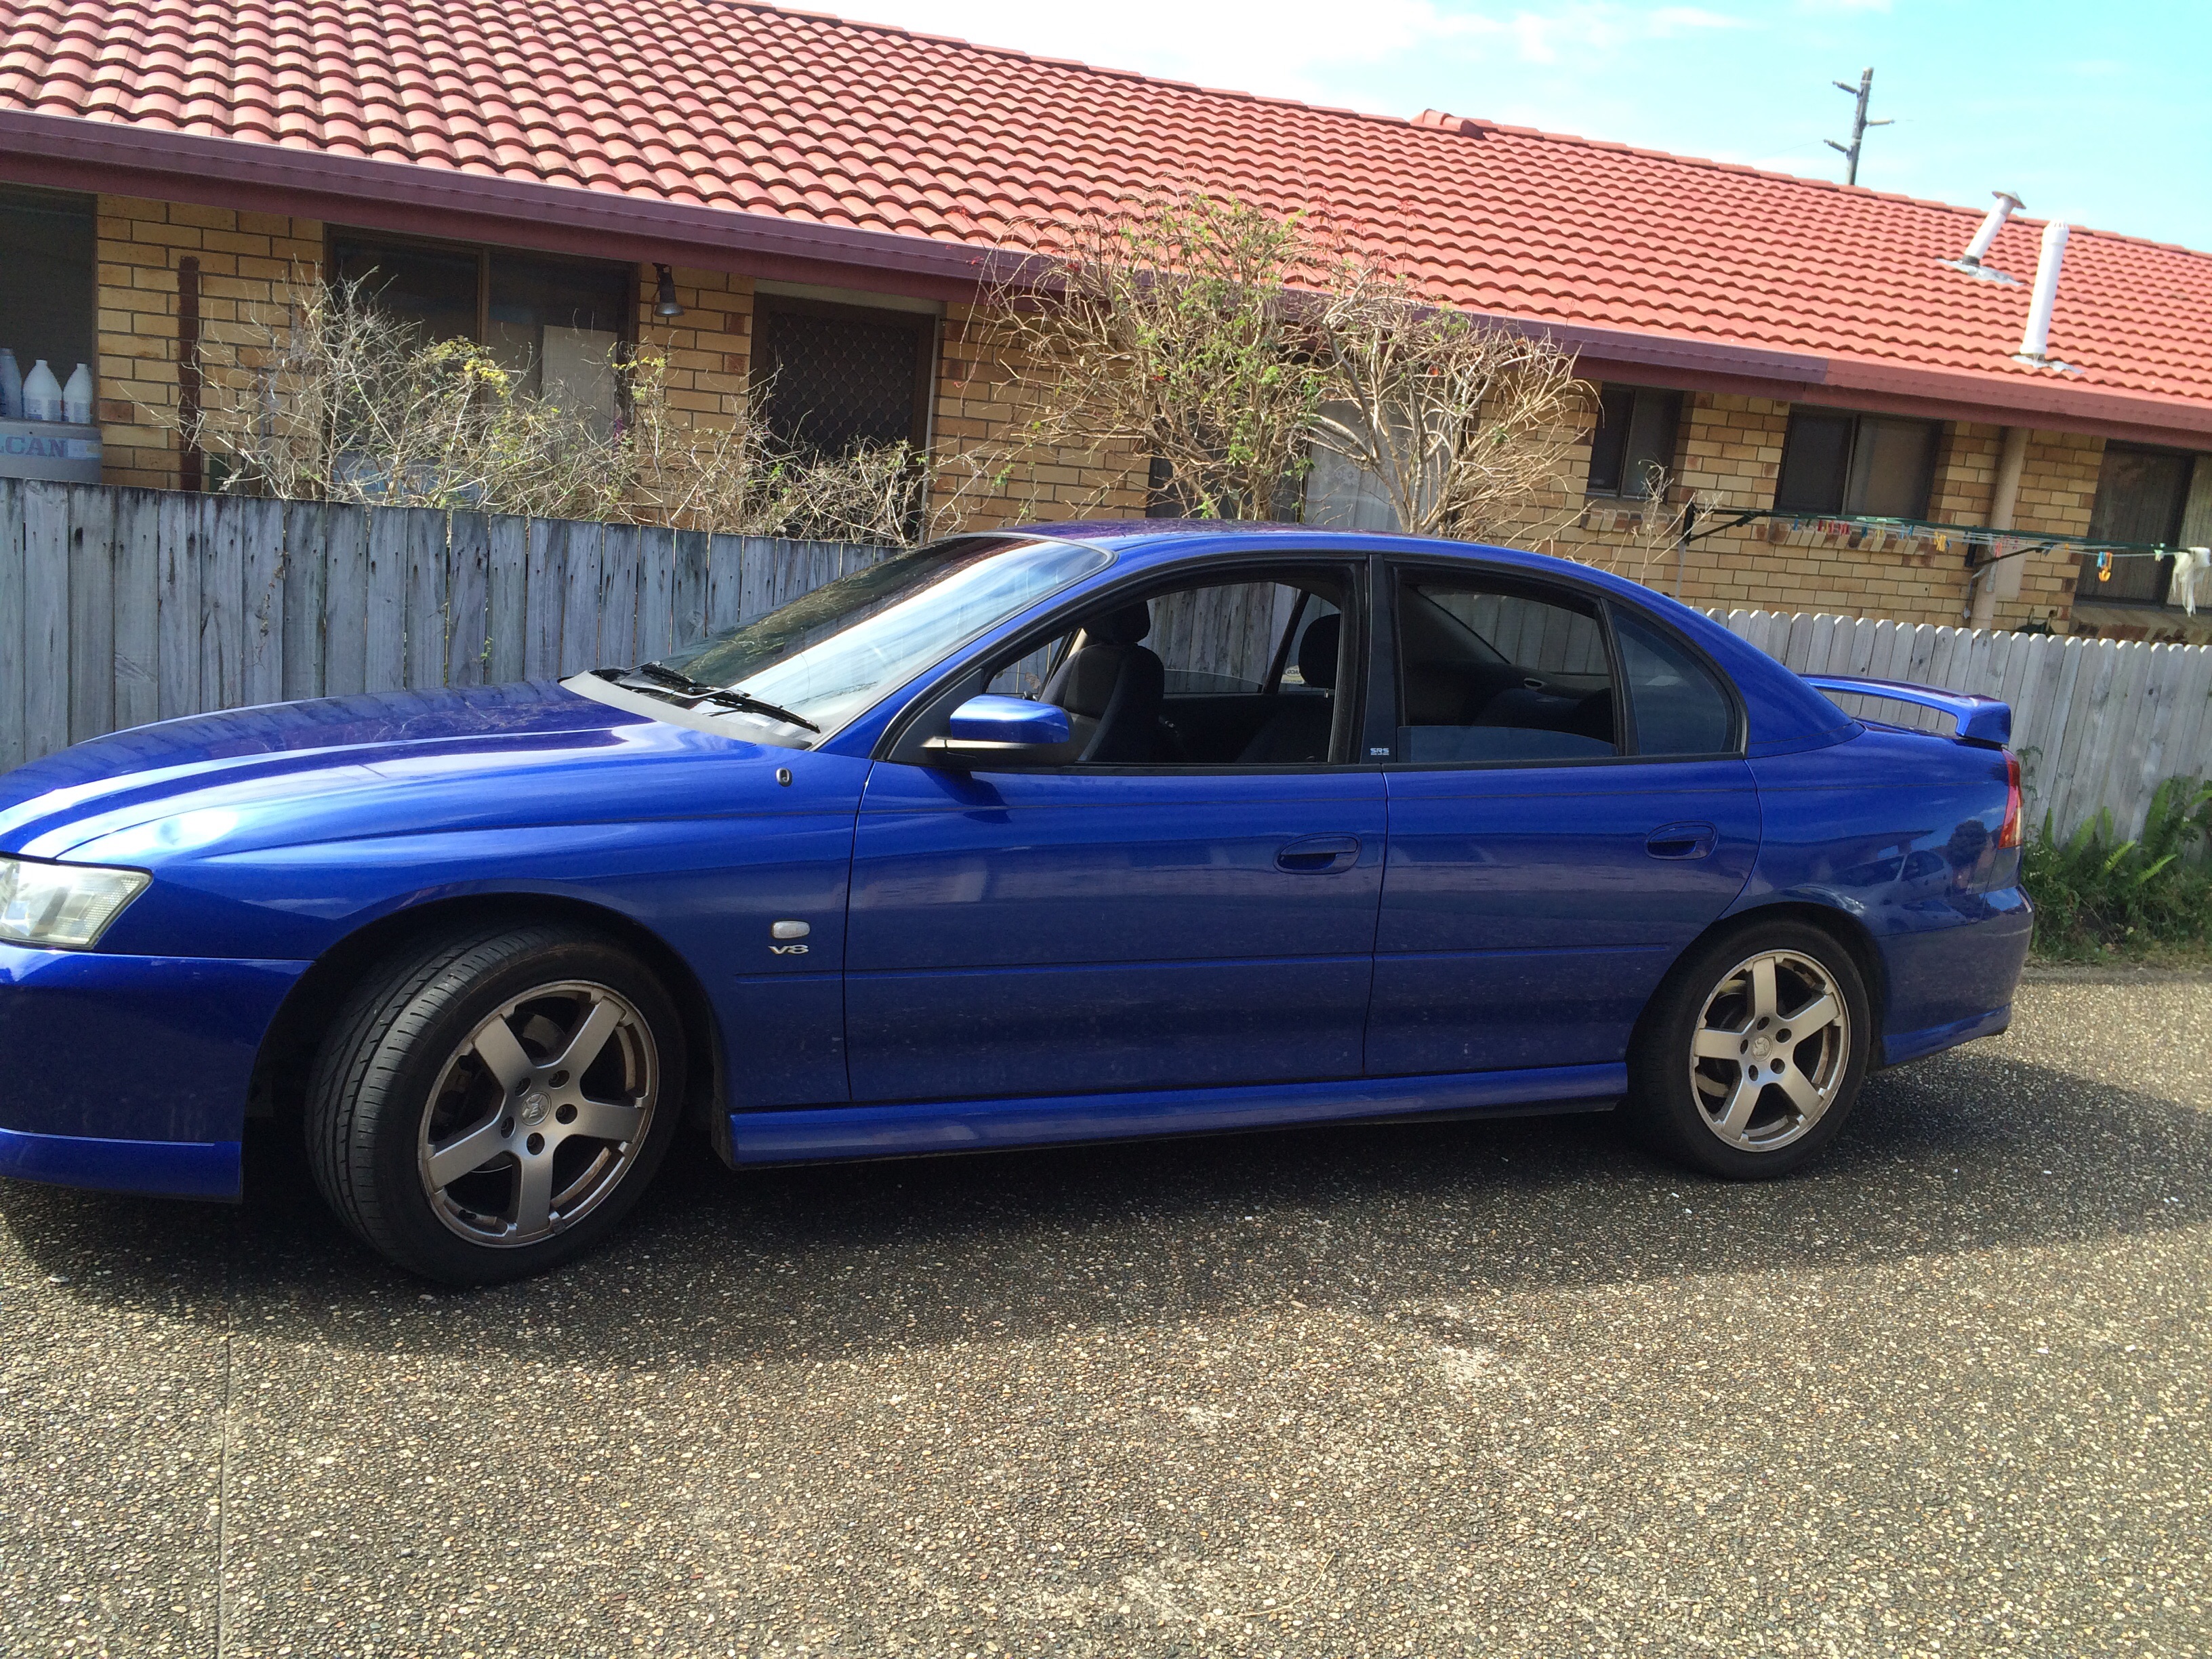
(1966,537)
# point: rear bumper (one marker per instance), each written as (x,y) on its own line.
(131,1072)
(1953,981)
(168,1169)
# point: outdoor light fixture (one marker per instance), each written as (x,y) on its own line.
(665,302)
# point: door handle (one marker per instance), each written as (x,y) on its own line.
(1681,841)
(1319,854)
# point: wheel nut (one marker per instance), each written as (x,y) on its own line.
(560,1079)
(537,1145)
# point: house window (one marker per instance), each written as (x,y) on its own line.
(1635,439)
(2141,495)
(1874,466)
(558,323)
(47,269)
(830,378)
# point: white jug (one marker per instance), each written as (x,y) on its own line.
(76,398)
(42,394)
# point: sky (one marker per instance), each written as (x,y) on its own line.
(2099,113)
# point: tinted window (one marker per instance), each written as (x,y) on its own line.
(1489,674)
(1635,440)
(47,281)
(2141,495)
(1863,466)
(1680,708)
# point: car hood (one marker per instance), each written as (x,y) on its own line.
(402,761)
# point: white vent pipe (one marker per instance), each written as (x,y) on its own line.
(2035,338)
(2002,208)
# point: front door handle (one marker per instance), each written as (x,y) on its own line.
(1681,841)
(1319,854)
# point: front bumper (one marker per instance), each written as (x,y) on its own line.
(131,1072)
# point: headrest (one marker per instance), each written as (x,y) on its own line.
(1317,652)
(1124,627)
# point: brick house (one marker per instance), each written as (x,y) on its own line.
(745,186)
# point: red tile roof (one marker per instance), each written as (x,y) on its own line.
(811,119)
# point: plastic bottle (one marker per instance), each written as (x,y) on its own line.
(76,398)
(11,387)
(42,393)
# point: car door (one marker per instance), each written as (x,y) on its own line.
(1568,808)
(1191,918)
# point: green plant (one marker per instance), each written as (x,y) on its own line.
(2095,894)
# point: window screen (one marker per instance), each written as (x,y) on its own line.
(1869,465)
(438,290)
(46,281)
(1488,674)
(2141,495)
(1680,708)
(1634,441)
(830,379)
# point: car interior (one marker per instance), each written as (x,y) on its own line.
(1246,673)
(1240,673)
(1500,675)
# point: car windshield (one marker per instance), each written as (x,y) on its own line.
(832,654)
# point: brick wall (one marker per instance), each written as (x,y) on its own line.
(1729,447)
(980,412)
(245,261)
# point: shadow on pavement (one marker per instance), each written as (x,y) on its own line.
(1969,1151)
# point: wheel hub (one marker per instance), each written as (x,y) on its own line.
(1770,1050)
(539,1115)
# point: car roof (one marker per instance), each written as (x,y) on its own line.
(1782,711)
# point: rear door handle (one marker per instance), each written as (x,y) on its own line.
(1681,841)
(1319,854)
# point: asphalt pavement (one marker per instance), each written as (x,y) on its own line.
(1501,1388)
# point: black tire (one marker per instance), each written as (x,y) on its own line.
(402,1052)
(1682,1106)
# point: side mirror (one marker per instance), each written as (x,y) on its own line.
(984,730)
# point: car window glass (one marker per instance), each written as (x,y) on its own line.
(1188,677)
(1680,708)
(1486,674)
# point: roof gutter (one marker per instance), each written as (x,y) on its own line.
(409,197)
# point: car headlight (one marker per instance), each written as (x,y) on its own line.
(66,906)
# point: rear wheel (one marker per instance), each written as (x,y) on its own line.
(492,1103)
(1752,1054)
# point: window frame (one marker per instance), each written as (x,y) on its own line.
(1619,489)
(484,252)
(1924,488)
(905,738)
(2086,584)
(1380,734)
(922,325)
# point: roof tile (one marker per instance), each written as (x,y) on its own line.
(727,101)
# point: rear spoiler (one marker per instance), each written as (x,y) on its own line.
(1981,720)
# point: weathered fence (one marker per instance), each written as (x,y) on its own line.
(2098,724)
(122,606)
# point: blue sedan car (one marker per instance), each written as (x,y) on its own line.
(1058,833)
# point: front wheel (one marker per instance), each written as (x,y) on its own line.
(491,1102)
(1751,1055)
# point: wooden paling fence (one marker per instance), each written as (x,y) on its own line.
(2098,724)
(122,606)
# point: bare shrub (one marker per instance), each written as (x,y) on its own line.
(1465,425)
(1171,330)
(329,398)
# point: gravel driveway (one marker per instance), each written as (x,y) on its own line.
(1503,1388)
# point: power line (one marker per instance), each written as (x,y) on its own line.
(1859,124)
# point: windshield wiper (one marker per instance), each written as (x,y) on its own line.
(737,702)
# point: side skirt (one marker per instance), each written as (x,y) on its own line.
(968,1125)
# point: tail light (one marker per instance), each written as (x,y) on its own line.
(2009,834)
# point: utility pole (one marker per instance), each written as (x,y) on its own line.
(1859,124)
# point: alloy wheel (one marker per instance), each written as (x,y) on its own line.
(538,1116)
(1771,1050)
